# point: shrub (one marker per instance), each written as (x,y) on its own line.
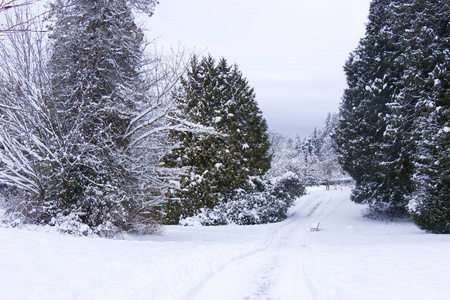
(259,202)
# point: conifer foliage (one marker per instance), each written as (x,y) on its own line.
(96,91)
(428,89)
(393,133)
(216,95)
(373,77)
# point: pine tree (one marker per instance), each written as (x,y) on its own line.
(217,96)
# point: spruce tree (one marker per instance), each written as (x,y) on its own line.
(216,95)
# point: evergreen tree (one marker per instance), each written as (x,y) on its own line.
(426,101)
(393,133)
(365,152)
(81,135)
(96,92)
(216,96)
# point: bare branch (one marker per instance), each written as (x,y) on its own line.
(9,10)
(5,5)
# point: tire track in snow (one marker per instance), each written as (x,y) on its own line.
(264,283)
(265,263)
(295,235)
(268,243)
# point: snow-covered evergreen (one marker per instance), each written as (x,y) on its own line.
(96,92)
(216,95)
(374,159)
(392,136)
(426,97)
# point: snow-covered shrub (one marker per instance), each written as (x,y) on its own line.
(108,230)
(145,226)
(26,212)
(259,202)
(20,210)
(71,224)
(287,187)
(256,208)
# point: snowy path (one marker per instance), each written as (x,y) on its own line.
(349,258)
(280,268)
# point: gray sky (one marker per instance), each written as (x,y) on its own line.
(291,51)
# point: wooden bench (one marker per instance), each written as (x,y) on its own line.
(315,228)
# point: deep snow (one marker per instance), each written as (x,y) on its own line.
(351,257)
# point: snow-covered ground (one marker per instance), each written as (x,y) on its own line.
(349,258)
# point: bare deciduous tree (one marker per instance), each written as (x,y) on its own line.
(12,18)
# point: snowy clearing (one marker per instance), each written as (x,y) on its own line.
(350,257)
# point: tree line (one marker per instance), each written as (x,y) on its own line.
(313,159)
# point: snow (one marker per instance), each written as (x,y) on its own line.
(350,257)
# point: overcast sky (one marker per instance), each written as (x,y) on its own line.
(291,51)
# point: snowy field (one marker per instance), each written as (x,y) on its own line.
(349,258)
